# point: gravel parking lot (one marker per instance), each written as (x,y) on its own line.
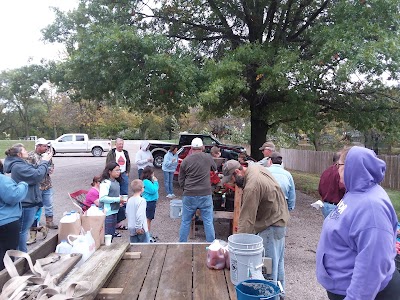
(74,172)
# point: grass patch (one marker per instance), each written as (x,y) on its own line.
(308,184)
(5,144)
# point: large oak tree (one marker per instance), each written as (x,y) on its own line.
(284,61)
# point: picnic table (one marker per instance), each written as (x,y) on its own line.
(168,271)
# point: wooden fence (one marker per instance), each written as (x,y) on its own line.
(315,162)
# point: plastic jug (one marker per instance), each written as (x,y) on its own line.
(76,214)
(64,247)
(80,245)
(216,256)
(69,218)
(94,211)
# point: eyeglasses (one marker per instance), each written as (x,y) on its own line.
(118,170)
(339,164)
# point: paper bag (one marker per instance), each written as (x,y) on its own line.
(96,225)
(65,229)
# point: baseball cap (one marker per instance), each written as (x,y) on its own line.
(228,169)
(268,145)
(197,143)
(41,141)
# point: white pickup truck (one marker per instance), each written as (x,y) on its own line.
(79,143)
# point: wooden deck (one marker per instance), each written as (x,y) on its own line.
(168,271)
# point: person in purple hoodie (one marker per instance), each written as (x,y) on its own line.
(356,250)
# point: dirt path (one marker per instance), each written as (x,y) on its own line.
(74,172)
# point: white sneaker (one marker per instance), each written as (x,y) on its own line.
(173,196)
(169,196)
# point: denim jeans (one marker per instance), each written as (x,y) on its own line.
(168,182)
(274,245)
(9,236)
(28,215)
(123,187)
(326,210)
(47,199)
(189,206)
(140,171)
(140,238)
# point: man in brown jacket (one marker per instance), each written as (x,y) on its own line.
(264,210)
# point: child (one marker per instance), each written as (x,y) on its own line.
(150,193)
(110,199)
(136,213)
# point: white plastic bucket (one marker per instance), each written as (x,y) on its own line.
(246,255)
(175,209)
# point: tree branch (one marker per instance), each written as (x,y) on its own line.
(310,19)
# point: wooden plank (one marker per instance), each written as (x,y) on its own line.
(132,255)
(48,246)
(62,267)
(207,284)
(236,211)
(97,268)
(149,288)
(231,287)
(223,214)
(176,276)
(138,277)
(130,274)
(109,293)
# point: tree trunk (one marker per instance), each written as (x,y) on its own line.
(259,130)
(317,140)
(55,132)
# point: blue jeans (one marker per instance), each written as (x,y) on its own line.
(189,206)
(123,187)
(274,245)
(9,236)
(326,210)
(168,182)
(140,238)
(47,199)
(28,215)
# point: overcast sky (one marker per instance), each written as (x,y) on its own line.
(20,37)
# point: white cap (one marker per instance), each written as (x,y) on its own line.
(197,143)
(41,141)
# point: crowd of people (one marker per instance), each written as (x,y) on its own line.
(355,254)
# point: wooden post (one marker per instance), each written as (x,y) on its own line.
(236,211)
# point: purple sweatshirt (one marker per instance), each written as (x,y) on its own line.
(356,250)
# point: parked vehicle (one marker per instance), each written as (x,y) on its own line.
(79,143)
(159,149)
(226,152)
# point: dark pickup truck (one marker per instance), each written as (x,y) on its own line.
(159,149)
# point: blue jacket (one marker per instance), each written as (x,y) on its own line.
(150,190)
(356,250)
(168,165)
(11,194)
(23,171)
(285,180)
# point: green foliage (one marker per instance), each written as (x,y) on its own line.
(20,93)
(110,60)
(6,144)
